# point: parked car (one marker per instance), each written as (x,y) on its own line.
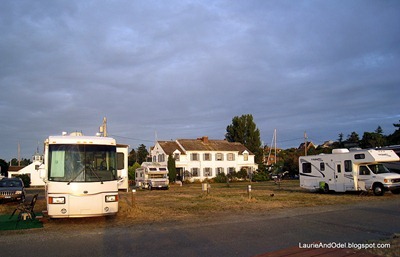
(12,189)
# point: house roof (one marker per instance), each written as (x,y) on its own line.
(169,147)
(202,144)
(309,144)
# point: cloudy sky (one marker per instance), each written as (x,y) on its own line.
(185,68)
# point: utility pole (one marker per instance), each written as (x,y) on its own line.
(275,143)
(305,143)
(19,155)
(103,127)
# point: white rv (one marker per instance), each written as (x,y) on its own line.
(353,170)
(81,175)
(122,166)
(152,175)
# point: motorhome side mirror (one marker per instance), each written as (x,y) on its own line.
(42,172)
(124,173)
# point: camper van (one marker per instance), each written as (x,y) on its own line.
(350,170)
(152,175)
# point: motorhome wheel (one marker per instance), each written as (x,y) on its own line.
(378,190)
(326,189)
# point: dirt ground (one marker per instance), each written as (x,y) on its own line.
(189,202)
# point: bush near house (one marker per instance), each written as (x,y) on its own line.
(26,179)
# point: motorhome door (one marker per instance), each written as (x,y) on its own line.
(339,177)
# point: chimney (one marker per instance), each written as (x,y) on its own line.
(204,139)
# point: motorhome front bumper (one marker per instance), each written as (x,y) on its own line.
(392,187)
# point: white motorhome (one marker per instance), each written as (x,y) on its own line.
(345,170)
(152,175)
(81,175)
(122,166)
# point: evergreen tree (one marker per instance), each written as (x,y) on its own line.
(142,154)
(244,130)
(171,168)
(394,139)
(373,139)
(3,168)
(353,140)
(131,157)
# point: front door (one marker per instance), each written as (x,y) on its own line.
(339,177)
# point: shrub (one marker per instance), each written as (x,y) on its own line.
(260,176)
(26,179)
(220,178)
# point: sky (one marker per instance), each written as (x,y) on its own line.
(182,69)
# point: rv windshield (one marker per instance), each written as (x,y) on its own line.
(82,163)
(157,175)
(378,168)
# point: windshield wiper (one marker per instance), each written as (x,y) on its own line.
(95,174)
(77,175)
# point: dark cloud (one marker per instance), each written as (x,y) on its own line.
(184,69)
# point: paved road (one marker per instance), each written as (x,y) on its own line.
(233,236)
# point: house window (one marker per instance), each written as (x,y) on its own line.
(231,157)
(246,156)
(207,157)
(219,156)
(177,156)
(220,170)
(161,158)
(231,170)
(195,172)
(154,158)
(194,157)
(207,172)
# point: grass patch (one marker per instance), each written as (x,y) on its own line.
(189,202)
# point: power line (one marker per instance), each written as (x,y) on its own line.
(131,138)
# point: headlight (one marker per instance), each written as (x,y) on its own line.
(111,198)
(56,200)
(18,192)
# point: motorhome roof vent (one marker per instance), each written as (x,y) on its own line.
(76,134)
(342,150)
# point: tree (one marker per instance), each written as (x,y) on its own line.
(171,168)
(3,168)
(132,170)
(394,139)
(353,140)
(131,157)
(244,130)
(23,162)
(142,154)
(373,139)
(340,140)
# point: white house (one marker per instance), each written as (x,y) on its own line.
(32,170)
(202,158)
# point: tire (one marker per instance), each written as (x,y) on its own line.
(326,189)
(378,190)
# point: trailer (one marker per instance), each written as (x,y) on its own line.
(152,175)
(350,170)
